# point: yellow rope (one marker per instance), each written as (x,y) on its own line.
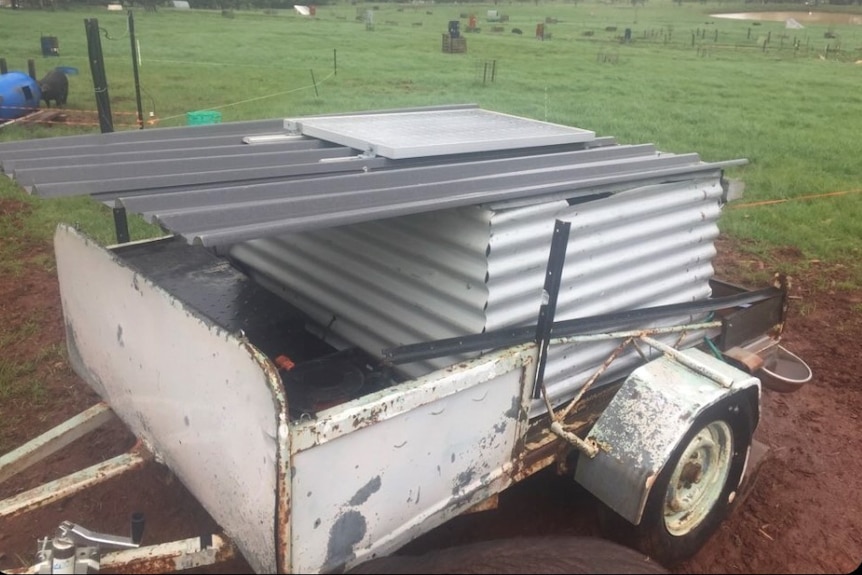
(811,197)
(307,87)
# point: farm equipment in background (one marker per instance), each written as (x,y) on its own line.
(399,328)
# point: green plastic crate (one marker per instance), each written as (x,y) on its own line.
(203,117)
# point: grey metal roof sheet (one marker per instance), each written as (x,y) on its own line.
(205,184)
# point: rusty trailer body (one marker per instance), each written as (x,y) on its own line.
(360,326)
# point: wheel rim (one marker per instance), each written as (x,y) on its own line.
(698,478)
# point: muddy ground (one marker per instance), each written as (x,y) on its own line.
(803,513)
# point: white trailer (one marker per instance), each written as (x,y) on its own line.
(358,327)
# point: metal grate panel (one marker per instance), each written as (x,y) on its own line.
(436,133)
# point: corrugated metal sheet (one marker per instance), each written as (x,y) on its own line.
(467,270)
(384,251)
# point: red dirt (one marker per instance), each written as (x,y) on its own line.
(802,515)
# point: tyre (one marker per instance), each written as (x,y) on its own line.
(699,482)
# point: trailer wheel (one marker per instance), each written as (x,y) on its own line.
(696,487)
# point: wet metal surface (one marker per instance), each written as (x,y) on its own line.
(283,494)
(373,473)
(216,289)
(174,378)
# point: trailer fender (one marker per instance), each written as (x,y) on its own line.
(653,417)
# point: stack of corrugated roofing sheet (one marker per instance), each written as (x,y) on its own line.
(204,183)
(406,226)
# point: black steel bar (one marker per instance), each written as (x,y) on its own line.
(121,225)
(97,68)
(137,527)
(567,328)
(135,70)
(553,277)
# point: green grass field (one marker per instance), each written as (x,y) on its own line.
(788,100)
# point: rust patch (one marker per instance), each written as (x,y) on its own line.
(489,504)
(176,561)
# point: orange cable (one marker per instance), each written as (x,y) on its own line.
(811,197)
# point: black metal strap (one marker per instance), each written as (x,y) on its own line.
(581,326)
(553,278)
(121,225)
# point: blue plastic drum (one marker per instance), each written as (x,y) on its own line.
(19,95)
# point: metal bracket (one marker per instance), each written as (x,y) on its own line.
(121,224)
(83,536)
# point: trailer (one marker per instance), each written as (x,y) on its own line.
(357,327)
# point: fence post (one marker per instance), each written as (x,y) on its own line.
(315,83)
(135,70)
(100,83)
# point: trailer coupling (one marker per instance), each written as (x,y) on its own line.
(76,550)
